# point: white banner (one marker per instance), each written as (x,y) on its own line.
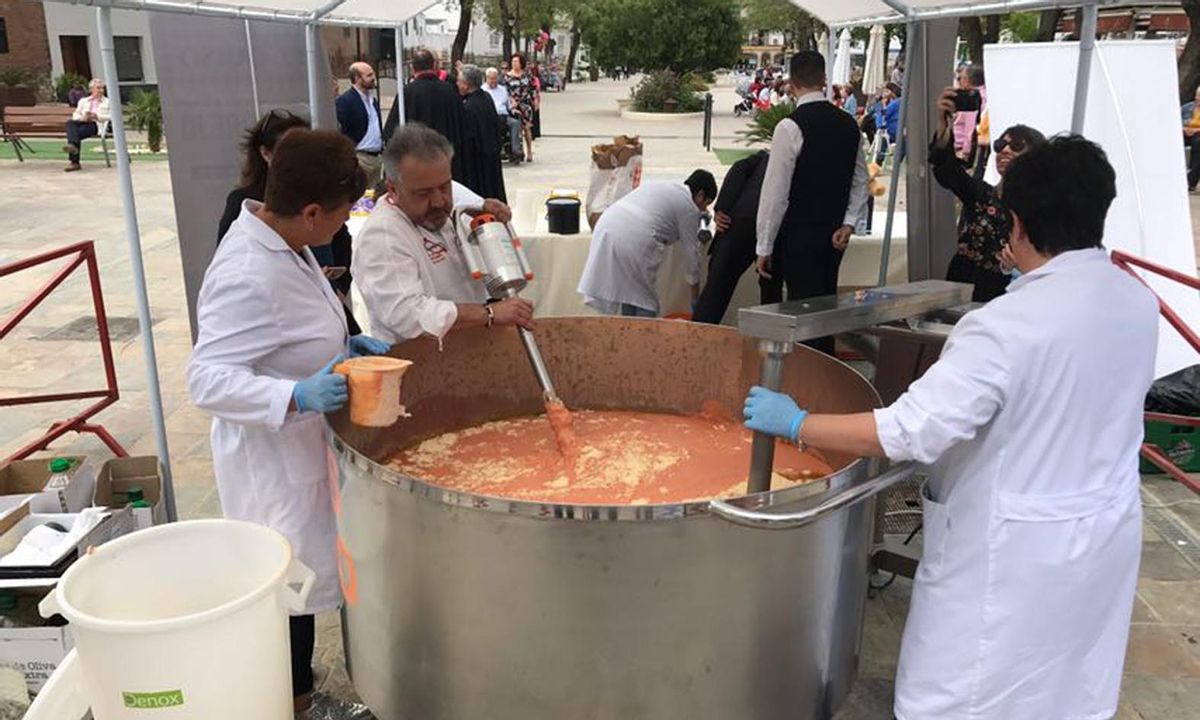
(1133,113)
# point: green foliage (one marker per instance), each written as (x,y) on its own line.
(762,126)
(64,83)
(14,76)
(1022,27)
(696,82)
(664,91)
(145,113)
(663,34)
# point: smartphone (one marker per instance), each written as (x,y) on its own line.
(967,100)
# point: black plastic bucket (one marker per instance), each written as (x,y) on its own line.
(563,215)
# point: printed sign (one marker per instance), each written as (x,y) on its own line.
(153,701)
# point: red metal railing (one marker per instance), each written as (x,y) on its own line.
(1151,452)
(83,253)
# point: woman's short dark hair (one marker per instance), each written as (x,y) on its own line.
(263,136)
(313,166)
(1061,191)
(521,57)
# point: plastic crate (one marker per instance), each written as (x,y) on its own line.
(1181,443)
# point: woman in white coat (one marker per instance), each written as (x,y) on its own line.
(1031,422)
(270,331)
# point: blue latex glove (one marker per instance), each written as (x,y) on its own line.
(773,413)
(367,345)
(324,391)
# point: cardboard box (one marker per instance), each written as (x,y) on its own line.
(29,477)
(35,647)
(118,475)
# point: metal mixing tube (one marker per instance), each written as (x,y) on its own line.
(535,359)
(494,254)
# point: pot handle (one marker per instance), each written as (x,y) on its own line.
(298,573)
(61,697)
(788,521)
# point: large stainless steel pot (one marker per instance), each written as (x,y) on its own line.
(461,607)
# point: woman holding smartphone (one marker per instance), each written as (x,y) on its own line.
(984,224)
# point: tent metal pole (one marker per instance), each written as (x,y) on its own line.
(400,73)
(312,48)
(125,182)
(885,251)
(253,74)
(1087,44)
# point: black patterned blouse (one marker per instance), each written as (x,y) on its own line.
(984,225)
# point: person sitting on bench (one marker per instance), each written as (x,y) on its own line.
(90,113)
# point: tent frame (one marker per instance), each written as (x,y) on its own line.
(322,16)
(311,22)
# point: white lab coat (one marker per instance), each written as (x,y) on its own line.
(1032,420)
(268,318)
(411,278)
(629,241)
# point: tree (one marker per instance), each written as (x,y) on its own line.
(976,33)
(1021,26)
(664,34)
(1048,24)
(1189,61)
(465,16)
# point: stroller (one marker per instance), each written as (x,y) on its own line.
(745,106)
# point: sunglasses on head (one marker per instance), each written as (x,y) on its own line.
(276,114)
(1017,145)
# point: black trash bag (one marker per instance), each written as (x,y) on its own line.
(1176,394)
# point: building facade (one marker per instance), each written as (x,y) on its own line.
(23,39)
(764,48)
(75,47)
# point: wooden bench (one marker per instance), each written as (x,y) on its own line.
(43,121)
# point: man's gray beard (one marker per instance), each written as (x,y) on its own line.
(432,227)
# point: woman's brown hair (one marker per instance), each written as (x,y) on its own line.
(263,136)
(313,166)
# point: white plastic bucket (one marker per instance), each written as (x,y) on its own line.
(188,620)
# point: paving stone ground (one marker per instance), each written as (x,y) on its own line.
(42,208)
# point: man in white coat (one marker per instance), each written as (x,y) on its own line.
(1031,423)
(408,262)
(631,237)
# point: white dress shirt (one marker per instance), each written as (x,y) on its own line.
(372,141)
(786,146)
(88,104)
(499,95)
(411,278)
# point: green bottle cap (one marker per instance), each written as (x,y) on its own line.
(58,465)
(135,495)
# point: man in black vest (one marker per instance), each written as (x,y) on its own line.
(814,191)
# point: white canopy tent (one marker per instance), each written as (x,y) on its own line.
(311,14)
(839,14)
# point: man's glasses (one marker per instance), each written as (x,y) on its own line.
(1017,145)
